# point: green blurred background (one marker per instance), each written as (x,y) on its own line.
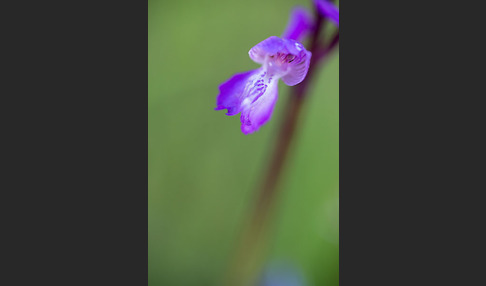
(203,170)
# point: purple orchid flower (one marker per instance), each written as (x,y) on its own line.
(328,10)
(254,93)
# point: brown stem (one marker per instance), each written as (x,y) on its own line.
(324,52)
(249,256)
(268,189)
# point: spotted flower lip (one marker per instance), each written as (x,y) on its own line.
(328,10)
(254,93)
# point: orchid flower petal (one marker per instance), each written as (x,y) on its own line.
(231,91)
(300,23)
(285,57)
(260,111)
(267,47)
(298,67)
(328,10)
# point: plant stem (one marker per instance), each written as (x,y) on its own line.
(249,256)
(268,190)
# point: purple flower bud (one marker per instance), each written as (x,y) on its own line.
(254,93)
(328,10)
(300,23)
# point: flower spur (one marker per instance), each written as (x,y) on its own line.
(254,93)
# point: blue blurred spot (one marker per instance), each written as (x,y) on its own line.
(282,274)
